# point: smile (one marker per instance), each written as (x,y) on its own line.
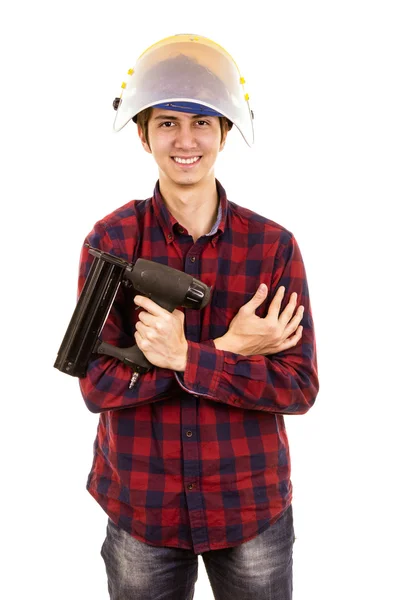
(186,161)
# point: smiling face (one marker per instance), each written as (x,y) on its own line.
(184,146)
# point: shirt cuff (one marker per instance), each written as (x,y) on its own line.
(203,369)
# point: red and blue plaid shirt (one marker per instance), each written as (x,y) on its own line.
(199,459)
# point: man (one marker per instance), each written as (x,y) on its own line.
(194,458)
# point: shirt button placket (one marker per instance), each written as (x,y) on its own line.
(192,317)
(190,450)
(189,444)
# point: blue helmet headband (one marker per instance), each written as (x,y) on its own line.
(189,107)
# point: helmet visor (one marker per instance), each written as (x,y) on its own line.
(186,68)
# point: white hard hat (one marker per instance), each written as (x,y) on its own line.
(191,70)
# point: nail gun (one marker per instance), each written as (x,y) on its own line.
(166,286)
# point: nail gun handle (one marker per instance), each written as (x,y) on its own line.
(133,356)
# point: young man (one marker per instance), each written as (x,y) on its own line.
(194,458)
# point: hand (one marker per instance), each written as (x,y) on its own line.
(160,335)
(249,334)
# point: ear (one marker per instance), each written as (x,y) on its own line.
(223,142)
(143,140)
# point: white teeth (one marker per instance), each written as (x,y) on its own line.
(186,161)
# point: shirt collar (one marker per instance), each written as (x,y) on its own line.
(172,227)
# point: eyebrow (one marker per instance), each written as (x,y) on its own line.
(171,118)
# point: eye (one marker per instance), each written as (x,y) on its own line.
(166,124)
(202,123)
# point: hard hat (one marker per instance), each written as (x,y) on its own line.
(191,70)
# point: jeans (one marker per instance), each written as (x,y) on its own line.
(260,569)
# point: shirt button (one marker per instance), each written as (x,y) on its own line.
(195,395)
(192,259)
(189,434)
(190,486)
(181,230)
(170,236)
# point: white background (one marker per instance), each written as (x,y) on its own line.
(322,82)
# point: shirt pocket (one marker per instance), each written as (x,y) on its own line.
(225,306)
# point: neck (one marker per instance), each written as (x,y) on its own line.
(195,207)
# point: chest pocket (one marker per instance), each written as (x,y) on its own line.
(224,307)
(226,304)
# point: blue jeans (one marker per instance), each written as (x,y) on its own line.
(260,569)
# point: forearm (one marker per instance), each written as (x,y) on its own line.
(277,385)
(227,344)
(106,386)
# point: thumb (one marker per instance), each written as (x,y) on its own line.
(179,313)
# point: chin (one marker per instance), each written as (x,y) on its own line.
(185,179)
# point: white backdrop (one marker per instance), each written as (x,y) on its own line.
(322,82)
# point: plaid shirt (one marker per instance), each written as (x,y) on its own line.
(199,459)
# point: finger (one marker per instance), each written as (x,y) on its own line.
(147,319)
(138,339)
(292,341)
(275,304)
(256,300)
(146,333)
(150,306)
(179,314)
(288,311)
(142,343)
(293,324)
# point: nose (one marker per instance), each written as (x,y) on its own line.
(185,137)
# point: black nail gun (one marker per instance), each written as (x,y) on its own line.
(166,286)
